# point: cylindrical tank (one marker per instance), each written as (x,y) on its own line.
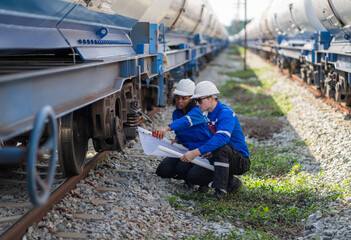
(272,17)
(335,15)
(253,29)
(266,30)
(129,8)
(284,18)
(343,9)
(195,16)
(305,16)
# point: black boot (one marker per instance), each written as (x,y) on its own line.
(219,194)
(203,189)
(234,185)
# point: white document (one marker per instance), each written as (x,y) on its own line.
(157,147)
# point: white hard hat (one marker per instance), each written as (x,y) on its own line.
(205,88)
(185,87)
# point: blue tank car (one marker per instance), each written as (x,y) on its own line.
(311,38)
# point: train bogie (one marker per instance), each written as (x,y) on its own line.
(98,65)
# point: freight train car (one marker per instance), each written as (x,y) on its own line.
(308,37)
(74,70)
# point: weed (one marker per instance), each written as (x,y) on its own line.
(174,202)
(275,198)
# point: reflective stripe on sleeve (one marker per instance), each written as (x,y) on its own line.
(225,132)
(220,164)
(189,118)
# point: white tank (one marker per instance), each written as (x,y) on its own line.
(284,18)
(129,8)
(336,17)
(266,29)
(253,29)
(276,6)
(305,16)
(343,9)
(188,16)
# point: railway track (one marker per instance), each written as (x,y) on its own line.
(317,93)
(19,228)
(17,225)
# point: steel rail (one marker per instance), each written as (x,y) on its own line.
(19,228)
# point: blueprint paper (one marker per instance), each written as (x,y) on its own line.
(151,145)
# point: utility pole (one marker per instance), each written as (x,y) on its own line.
(245,38)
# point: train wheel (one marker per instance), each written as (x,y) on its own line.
(97,144)
(73,142)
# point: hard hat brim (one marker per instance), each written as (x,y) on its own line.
(181,93)
(198,95)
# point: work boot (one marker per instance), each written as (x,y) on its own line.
(203,189)
(188,185)
(234,185)
(219,194)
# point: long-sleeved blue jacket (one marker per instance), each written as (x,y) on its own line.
(228,131)
(191,129)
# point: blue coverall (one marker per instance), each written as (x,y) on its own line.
(228,147)
(191,131)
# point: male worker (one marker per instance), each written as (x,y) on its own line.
(226,149)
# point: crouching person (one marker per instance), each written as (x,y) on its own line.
(226,150)
(190,128)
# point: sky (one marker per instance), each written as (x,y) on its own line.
(226,9)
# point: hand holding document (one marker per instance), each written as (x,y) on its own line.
(164,147)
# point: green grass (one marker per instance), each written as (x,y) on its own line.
(249,233)
(220,65)
(175,203)
(251,98)
(248,73)
(275,198)
(277,195)
(235,50)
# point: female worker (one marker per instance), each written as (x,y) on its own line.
(190,128)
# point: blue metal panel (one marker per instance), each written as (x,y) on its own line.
(65,89)
(141,64)
(43,24)
(324,39)
(157,64)
(332,57)
(127,68)
(145,34)
(153,38)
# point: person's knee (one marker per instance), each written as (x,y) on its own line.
(199,177)
(183,168)
(165,171)
(221,151)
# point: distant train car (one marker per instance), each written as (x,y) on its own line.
(72,70)
(309,37)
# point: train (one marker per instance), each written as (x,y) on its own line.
(75,70)
(309,38)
